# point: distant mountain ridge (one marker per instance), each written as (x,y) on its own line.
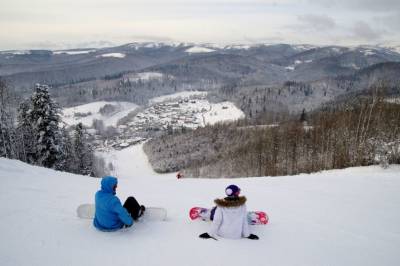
(99,73)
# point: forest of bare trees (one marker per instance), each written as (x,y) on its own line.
(363,131)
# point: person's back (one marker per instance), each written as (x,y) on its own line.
(110,215)
(230,217)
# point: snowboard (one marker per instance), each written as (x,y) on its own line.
(86,211)
(253,217)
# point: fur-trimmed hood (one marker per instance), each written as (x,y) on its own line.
(231,202)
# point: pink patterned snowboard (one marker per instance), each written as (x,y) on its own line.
(253,217)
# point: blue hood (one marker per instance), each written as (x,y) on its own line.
(108,183)
(109,215)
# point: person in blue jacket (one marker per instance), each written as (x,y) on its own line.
(110,215)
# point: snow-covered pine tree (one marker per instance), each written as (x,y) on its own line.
(26,141)
(67,159)
(45,119)
(82,151)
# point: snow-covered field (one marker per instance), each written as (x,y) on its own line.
(296,63)
(90,111)
(199,49)
(341,217)
(177,96)
(224,111)
(115,55)
(144,76)
(395,100)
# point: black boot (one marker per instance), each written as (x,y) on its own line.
(141,211)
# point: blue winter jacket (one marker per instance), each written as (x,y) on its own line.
(109,215)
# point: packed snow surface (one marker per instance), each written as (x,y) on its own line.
(86,113)
(341,217)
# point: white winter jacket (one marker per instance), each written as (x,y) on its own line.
(230,219)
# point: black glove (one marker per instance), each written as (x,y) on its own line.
(205,236)
(253,237)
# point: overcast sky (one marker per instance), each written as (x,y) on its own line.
(71,23)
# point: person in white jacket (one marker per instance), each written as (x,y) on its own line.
(230,217)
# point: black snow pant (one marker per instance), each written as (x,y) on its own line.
(133,207)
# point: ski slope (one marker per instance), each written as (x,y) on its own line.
(341,217)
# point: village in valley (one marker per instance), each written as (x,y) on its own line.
(161,116)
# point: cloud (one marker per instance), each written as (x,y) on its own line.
(360,5)
(277,37)
(150,38)
(391,21)
(70,22)
(361,30)
(316,22)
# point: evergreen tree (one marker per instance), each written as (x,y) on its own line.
(303,116)
(45,119)
(66,161)
(26,139)
(82,151)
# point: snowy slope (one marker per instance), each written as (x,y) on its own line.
(342,217)
(224,111)
(92,110)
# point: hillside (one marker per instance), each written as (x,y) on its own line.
(294,96)
(86,75)
(341,217)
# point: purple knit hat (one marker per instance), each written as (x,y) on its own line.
(232,191)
